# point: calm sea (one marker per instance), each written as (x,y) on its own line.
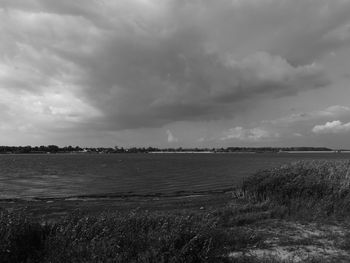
(26,176)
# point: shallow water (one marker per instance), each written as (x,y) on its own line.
(60,175)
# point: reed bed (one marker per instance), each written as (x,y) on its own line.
(320,187)
(113,237)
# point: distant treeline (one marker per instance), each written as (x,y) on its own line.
(116,149)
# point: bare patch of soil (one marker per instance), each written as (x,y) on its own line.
(296,242)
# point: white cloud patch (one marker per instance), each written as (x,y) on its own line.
(243,134)
(171,137)
(332,127)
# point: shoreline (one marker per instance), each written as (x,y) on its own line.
(121,195)
(52,210)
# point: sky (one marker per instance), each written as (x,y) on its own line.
(175,73)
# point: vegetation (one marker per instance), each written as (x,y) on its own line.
(299,190)
(112,237)
(21,240)
(116,149)
(319,188)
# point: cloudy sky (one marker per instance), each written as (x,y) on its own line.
(170,73)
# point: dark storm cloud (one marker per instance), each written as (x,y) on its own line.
(165,82)
(149,63)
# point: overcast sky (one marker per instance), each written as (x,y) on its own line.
(170,73)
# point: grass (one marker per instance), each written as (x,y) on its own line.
(287,192)
(112,237)
(21,240)
(322,187)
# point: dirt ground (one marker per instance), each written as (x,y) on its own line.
(295,241)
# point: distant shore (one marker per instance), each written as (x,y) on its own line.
(50,149)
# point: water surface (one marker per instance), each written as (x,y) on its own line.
(60,175)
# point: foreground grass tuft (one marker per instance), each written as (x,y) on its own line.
(112,237)
(322,187)
(21,239)
(136,238)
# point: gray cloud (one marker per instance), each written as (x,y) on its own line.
(334,111)
(135,64)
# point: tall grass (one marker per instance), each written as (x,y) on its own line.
(112,237)
(320,187)
(135,238)
(21,239)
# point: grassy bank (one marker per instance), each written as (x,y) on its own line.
(114,237)
(311,189)
(313,192)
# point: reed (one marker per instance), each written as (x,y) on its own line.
(320,187)
(113,237)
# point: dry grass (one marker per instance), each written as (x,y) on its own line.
(322,187)
(113,237)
